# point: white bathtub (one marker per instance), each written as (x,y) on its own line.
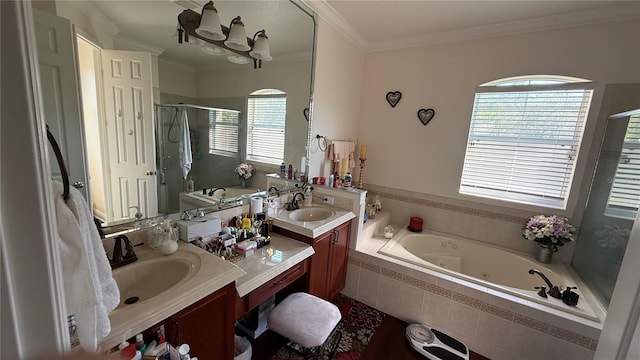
(488,266)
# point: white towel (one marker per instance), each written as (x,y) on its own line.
(185,146)
(91,293)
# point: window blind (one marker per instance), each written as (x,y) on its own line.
(523,142)
(624,197)
(223,133)
(266,115)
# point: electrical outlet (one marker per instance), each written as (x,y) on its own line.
(328,200)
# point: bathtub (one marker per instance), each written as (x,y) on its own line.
(487,266)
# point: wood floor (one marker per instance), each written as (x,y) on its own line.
(388,342)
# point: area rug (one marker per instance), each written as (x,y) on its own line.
(357,326)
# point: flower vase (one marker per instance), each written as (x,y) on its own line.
(544,255)
(243,183)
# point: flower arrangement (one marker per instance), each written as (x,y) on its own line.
(244,171)
(549,231)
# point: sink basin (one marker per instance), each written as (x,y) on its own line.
(142,280)
(311,214)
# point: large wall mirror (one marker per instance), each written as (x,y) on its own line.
(118,88)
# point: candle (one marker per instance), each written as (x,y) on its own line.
(344,166)
(363,151)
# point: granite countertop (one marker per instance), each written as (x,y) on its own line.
(207,274)
(313,229)
(270,261)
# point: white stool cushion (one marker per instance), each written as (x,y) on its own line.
(304,319)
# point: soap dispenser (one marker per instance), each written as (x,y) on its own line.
(308,196)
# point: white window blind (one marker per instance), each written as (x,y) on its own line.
(223,132)
(266,117)
(523,141)
(624,197)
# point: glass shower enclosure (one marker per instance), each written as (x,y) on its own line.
(214,148)
(612,207)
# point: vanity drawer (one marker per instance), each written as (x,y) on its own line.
(257,296)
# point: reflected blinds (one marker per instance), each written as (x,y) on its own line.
(223,133)
(624,197)
(266,115)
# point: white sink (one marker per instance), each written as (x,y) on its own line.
(311,214)
(142,280)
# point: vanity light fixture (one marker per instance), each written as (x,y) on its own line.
(231,40)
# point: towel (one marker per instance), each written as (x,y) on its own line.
(185,146)
(339,150)
(91,293)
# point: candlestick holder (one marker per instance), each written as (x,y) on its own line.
(361,175)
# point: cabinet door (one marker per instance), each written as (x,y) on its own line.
(320,263)
(207,326)
(337,275)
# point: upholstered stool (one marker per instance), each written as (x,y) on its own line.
(306,320)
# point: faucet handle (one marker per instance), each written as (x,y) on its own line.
(542,292)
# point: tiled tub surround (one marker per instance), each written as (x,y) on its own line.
(497,325)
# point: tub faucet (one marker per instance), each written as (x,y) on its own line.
(272,188)
(554,291)
(212,191)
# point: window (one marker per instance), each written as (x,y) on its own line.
(223,132)
(266,115)
(624,197)
(524,138)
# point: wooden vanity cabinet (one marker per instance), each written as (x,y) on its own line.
(207,325)
(328,267)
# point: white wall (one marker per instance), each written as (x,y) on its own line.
(406,155)
(337,94)
(177,79)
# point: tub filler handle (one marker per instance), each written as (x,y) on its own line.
(554,291)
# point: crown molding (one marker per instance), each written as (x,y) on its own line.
(128,44)
(327,13)
(621,12)
(95,16)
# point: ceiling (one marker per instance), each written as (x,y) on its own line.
(382,25)
(370,25)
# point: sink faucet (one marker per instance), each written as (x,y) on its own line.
(293,205)
(554,291)
(272,188)
(118,259)
(213,191)
(138,215)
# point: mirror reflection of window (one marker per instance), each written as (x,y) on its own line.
(266,119)
(223,133)
(624,197)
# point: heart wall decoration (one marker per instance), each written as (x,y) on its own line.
(393,98)
(305,112)
(425,115)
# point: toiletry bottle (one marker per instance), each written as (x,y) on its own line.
(378,203)
(283,170)
(246,223)
(336,180)
(330,182)
(190,185)
(347,180)
(140,345)
(290,173)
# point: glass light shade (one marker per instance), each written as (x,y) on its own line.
(237,39)
(213,50)
(261,48)
(210,27)
(238,59)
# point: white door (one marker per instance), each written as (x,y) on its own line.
(56,59)
(129,123)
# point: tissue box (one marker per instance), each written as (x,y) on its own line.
(200,227)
